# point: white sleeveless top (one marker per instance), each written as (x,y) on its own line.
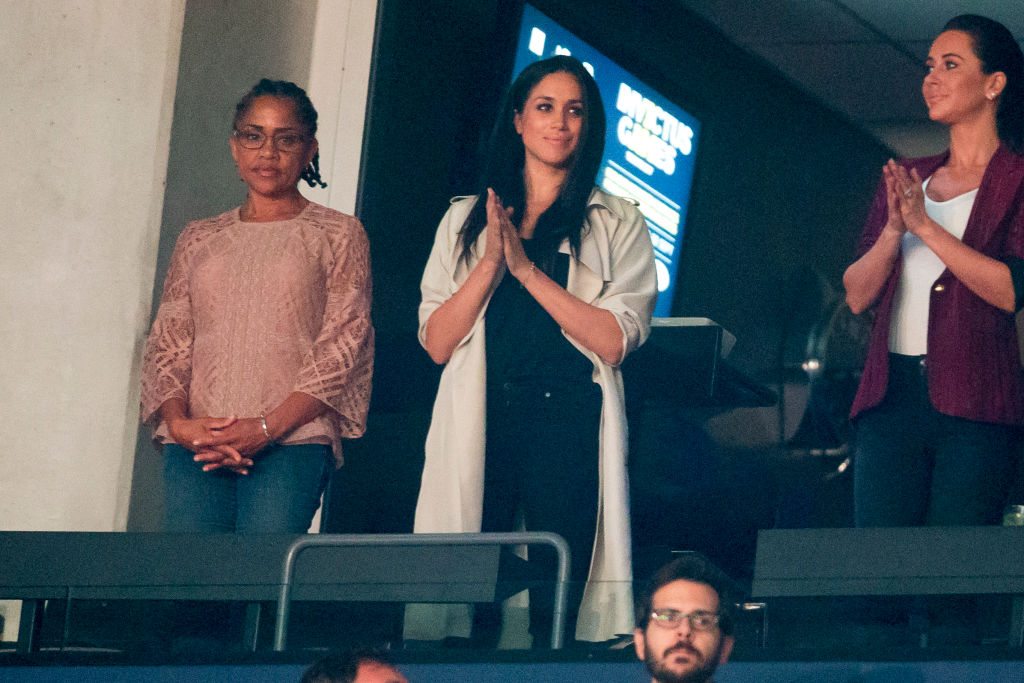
(908,329)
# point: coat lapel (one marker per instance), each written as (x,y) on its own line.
(587,274)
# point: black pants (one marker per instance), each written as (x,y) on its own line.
(542,463)
(916,466)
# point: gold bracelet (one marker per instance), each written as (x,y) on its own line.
(263,425)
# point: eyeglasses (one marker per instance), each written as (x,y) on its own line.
(700,620)
(254,139)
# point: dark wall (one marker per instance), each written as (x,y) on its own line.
(437,80)
(782,183)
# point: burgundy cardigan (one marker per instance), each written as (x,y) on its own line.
(973,368)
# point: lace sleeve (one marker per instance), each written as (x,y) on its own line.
(167,365)
(339,367)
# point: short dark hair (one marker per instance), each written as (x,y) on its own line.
(997,50)
(342,667)
(506,154)
(698,569)
(304,110)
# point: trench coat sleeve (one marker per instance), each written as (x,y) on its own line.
(630,281)
(451,487)
(445,270)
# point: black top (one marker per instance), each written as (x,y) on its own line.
(525,346)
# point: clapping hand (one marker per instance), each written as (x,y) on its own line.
(905,196)
(513,254)
(497,216)
(895,218)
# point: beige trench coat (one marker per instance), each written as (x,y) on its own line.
(615,271)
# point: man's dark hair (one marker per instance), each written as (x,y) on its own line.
(342,667)
(697,568)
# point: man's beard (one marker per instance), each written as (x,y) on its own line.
(705,665)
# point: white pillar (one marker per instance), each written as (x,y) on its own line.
(339,78)
(88,89)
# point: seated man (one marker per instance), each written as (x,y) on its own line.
(356,666)
(685,620)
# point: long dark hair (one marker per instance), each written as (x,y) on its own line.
(503,168)
(998,51)
(304,110)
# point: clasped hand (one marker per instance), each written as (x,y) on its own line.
(227,442)
(904,194)
(504,246)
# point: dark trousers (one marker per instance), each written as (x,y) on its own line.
(916,466)
(542,464)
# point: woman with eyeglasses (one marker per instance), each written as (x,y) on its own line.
(941,397)
(260,357)
(534,292)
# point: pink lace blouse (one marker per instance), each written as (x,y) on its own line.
(254,311)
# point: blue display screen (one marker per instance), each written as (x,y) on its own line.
(650,145)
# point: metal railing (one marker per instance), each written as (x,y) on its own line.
(425,540)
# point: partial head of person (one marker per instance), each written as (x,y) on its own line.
(975,67)
(685,619)
(552,118)
(273,138)
(356,666)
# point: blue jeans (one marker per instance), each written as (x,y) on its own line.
(916,466)
(280,494)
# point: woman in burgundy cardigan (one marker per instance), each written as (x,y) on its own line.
(940,400)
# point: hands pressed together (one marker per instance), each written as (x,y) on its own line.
(221,442)
(504,246)
(904,195)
